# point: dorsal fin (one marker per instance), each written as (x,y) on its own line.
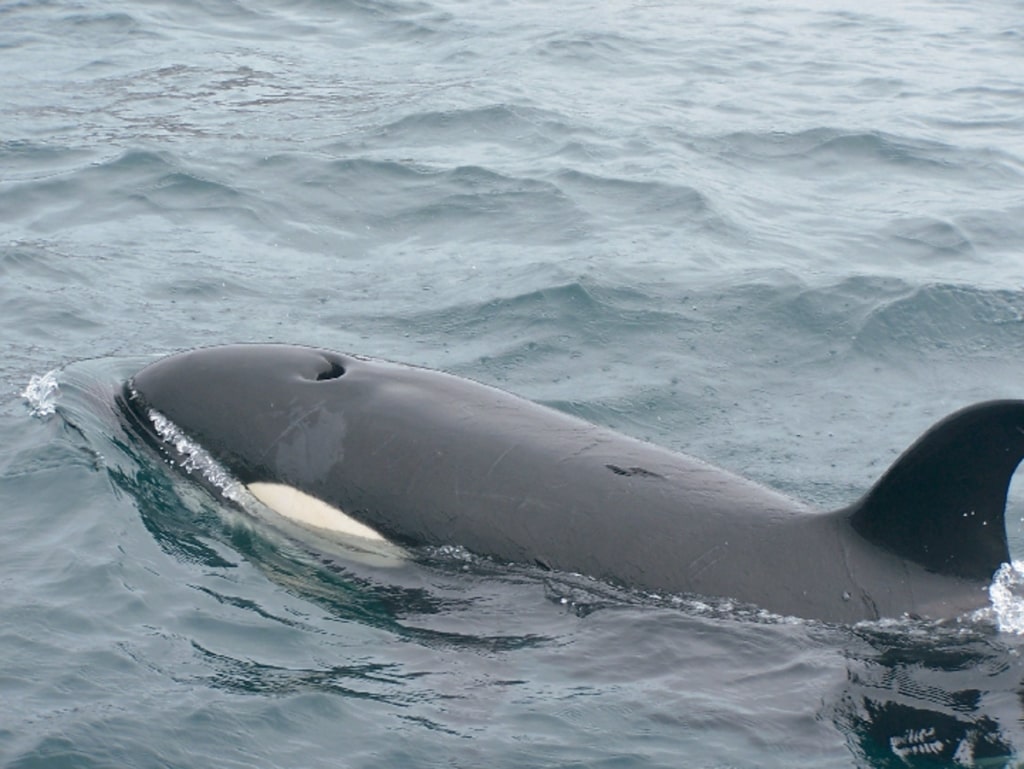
(942,504)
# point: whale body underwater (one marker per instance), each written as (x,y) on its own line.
(420,457)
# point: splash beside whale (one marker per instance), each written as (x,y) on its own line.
(419,457)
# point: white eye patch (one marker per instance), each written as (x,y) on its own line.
(308,510)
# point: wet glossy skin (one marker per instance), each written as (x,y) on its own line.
(423,457)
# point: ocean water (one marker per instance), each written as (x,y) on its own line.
(783,237)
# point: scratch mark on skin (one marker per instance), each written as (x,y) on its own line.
(706,560)
(582,451)
(631,471)
(497,461)
(295,422)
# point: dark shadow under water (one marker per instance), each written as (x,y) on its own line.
(930,697)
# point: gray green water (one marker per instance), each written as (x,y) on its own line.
(784,238)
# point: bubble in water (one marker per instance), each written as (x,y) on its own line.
(41,394)
(1007,596)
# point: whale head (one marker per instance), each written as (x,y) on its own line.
(270,415)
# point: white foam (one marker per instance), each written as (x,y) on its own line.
(42,392)
(195,459)
(1007,596)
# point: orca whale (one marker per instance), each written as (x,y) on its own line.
(419,457)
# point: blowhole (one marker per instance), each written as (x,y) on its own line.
(335,372)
